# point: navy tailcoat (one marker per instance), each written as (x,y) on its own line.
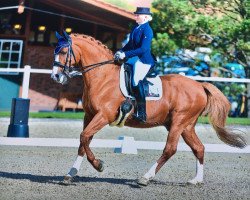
(140,44)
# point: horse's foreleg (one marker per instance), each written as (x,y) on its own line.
(81,152)
(77,164)
(97,123)
(74,169)
(169,150)
(197,147)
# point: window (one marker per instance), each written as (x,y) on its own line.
(10,53)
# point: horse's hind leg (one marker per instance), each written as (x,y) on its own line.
(169,150)
(197,147)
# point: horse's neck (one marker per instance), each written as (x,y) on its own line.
(96,78)
(98,83)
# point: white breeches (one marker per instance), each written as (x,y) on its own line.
(140,69)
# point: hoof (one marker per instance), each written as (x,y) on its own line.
(73,172)
(100,168)
(67,180)
(195,182)
(143,181)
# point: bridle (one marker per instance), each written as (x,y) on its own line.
(70,53)
(71,71)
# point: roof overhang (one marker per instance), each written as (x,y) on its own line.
(95,11)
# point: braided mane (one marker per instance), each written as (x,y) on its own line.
(92,41)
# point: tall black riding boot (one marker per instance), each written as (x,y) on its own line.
(141,103)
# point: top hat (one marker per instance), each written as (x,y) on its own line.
(142,11)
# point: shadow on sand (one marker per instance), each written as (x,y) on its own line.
(58,180)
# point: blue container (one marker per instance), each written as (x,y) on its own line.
(19,118)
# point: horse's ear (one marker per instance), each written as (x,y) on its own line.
(66,36)
(58,36)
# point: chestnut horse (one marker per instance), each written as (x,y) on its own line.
(182,102)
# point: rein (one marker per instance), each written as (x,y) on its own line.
(92,66)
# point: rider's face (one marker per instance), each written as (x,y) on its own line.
(140,18)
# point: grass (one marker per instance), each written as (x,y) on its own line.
(79,115)
(230,121)
(59,115)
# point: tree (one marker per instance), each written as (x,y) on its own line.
(183,22)
(171,22)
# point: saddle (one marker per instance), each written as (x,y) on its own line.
(128,76)
(152,87)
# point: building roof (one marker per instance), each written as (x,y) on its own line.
(110,7)
(95,11)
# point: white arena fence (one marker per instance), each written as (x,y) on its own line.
(27,70)
(126,145)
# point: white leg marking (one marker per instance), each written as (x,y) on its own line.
(78,162)
(151,173)
(75,168)
(199,174)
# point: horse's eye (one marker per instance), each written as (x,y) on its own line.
(63,52)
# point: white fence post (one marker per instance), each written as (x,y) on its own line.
(128,145)
(26,82)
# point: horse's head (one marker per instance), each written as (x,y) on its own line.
(64,59)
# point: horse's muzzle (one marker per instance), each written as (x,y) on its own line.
(60,78)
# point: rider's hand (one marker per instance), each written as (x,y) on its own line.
(122,55)
(119,55)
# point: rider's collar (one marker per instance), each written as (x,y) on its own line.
(139,24)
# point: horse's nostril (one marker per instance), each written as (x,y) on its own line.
(56,75)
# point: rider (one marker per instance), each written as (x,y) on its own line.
(138,52)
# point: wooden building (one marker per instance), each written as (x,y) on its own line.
(27,37)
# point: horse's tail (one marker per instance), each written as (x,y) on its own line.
(217,109)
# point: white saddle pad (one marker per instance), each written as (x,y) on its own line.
(155,88)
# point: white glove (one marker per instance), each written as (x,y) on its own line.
(117,54)
(120,55)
